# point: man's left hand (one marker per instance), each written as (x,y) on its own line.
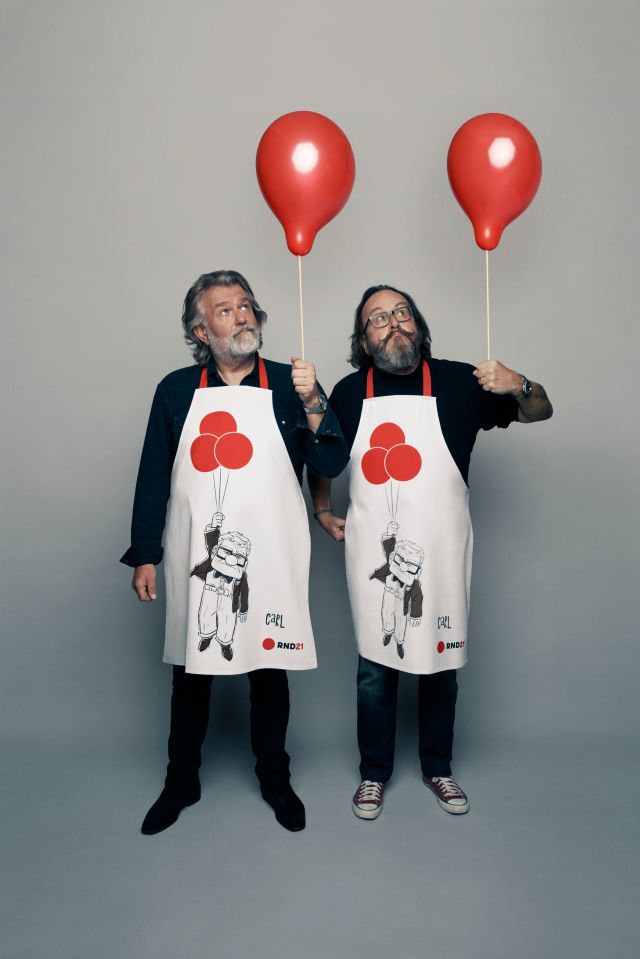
(493,377)
(305,384)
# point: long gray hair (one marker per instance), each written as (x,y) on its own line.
(192,315)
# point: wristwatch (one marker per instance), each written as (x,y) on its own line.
(319,408)
(525,389)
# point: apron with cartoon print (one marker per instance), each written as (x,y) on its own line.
(408,536)
(237,542)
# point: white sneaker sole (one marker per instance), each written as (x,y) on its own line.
(454,810)
(366,813)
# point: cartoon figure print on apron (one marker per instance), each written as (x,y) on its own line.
(237,540)
(408,536)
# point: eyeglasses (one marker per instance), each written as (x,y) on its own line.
(379,320)
(225,554)
(409,566)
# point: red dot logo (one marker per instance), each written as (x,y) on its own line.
(441,647)
(268,643)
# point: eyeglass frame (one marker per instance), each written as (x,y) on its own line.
(223,552)
(389,314)
(408,563)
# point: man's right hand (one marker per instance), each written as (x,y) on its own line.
(332,525)
(144,582)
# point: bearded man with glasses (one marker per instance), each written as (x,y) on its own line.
(411,422)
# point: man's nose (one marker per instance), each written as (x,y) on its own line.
(393,323)
(231,560)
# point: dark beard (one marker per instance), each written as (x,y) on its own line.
(396,357)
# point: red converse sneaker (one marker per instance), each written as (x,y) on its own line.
(367,799)
(450,796)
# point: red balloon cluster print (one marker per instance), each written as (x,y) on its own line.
(390,457)
(220,444)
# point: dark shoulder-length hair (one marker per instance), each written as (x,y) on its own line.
(362,360)
(192,314)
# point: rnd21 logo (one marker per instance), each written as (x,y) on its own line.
(269,644)
(442,646)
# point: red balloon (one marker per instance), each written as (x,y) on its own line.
(373,466)
(494,168)
(203,454)
(403,462)
(218,423)
(387,435)
(234,450)
(305,169)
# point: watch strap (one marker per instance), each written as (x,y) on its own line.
(526,388)
(319,408)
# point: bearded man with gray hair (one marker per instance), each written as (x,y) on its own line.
(226,444)
(411,422)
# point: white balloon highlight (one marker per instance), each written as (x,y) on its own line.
(305,157)
(502,152)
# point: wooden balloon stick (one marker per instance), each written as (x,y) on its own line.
(301,305)
(486,273)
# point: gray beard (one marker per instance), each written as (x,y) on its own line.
(398,356)
(229,350)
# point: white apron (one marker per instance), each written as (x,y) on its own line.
(408,536)
(237,540)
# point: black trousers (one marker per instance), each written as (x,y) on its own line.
(377,707)
(190,698)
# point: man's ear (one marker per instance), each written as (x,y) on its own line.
(364,344)
(201,335)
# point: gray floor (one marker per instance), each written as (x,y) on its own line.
(545,864)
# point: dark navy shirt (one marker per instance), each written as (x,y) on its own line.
(324,452)
(463,406)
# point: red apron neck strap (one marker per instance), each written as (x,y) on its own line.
(426,381)
(370,383)
(262,374)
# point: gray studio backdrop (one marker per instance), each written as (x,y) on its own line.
(131,132)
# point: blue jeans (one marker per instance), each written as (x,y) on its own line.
(377,706)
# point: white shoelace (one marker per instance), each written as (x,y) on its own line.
(449,787)
(369,791)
